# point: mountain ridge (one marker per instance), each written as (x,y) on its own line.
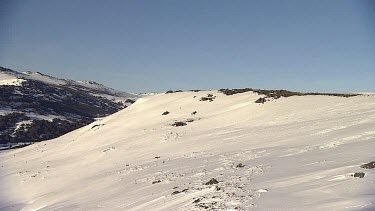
(33,101)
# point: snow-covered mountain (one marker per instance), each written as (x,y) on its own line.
(11,77)
(35,106)
(205,151)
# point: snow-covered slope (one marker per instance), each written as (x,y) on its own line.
(30,101)
(10,80)
(296,153)
(10,77)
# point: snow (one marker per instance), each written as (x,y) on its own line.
(44,78)
(10,80)
(20,124)
(16,78)
(117,96)
(5,111)
(35,116)
(296,153)
(21,77)
(8,77)
(13,78)
(121,99)
(91,84)
(4,76)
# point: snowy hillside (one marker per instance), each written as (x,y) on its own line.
(36,107)
(180,151)
(10,77)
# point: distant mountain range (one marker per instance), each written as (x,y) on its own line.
(36,107)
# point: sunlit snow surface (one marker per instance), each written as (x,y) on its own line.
(10,80)
(296,153)
(13,78)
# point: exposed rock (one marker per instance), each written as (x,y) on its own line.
(179,124)
(261,100)
(51,107)
(240,165)
(210,98)
(212,181)
(175,192)
(99,125)
(280,93)
(359,174)
(190,120)
(197,200)
(171,91)
(370,165)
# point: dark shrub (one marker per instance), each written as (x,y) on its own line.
(171,91)
(370,165)
(280,93)
(179,124)
(129,101)
(359,174)
(210,98)
(190,120)
(261,100)
(40,130)
(240,165)
(212,182)
(175,192)
(234,91)
(97,126)
(206,99)
(165,113)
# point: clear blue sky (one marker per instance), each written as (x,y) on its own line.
(144,46)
